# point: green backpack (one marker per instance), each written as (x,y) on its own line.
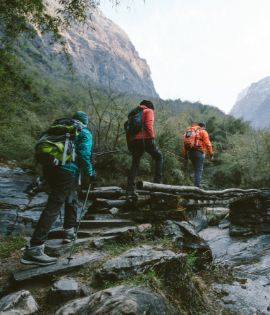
(57,144)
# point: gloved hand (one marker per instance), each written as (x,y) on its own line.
(91,179)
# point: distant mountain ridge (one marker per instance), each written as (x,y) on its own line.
(253,104)
(102,54)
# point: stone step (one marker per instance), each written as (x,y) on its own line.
(56,247)
(62,266)
(105,231)
(109,216)
(97,216)
(105,223)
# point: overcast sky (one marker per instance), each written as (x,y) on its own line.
(199,50)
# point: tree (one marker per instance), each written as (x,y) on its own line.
(26,16)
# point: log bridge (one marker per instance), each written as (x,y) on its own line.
(169,196)
(249,209)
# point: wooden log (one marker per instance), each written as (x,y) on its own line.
(183,190)
(104,192)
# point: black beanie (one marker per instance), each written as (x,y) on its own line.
(202,124)
(148,104)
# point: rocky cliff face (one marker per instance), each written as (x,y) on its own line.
(253,104)
(101,52)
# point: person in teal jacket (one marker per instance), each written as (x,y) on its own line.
(63,182)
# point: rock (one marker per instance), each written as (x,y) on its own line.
(199,222)
(144,228)
(61,266)
(114,210)
(216,214)
(224,224)
(126,232)
(64,290)
(88,224)
(253,299)
(18,303)
(249,260)
(125,300)
(99,242)
(236,230)
(185,237)
(74,307)
(136,261)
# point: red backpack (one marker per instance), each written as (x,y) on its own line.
(191,138)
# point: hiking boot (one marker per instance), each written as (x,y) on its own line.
(69,235)
(35,256)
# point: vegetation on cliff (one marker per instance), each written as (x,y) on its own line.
(32,100)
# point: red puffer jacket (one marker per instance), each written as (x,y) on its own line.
(148,125)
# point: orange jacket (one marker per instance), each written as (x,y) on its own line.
(205,143)
(148,125)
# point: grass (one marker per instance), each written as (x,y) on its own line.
(10,244)
(149,279)
(115,249)
(191,259)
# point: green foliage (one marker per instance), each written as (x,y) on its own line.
(191,259)
(24,16)
(31,99)
(10,244)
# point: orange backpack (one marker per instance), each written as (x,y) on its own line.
(191,138)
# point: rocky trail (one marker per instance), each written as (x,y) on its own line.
(140,258)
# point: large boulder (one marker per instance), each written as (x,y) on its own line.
(186,238)
(18,303)
(124,300)
(137,261)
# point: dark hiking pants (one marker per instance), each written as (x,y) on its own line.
(137,148)
(63,186)
(197,158)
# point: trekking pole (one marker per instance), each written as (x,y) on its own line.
(69,258)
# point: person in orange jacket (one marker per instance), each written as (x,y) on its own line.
(195,149)
(144,141)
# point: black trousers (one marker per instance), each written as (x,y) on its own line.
(137,148)
(63,185)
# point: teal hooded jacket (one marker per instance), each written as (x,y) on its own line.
(83,148)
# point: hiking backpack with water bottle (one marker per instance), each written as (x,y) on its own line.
(57,144)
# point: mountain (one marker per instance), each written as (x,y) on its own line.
(253,104)
(100,53)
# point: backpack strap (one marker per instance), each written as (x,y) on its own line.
(64,158)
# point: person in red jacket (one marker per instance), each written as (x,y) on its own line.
(197,153)
(144,141)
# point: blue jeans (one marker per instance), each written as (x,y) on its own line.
(197,157)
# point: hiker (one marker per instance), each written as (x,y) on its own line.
(196,144)
(141,138)
(62,177)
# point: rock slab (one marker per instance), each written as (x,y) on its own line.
(137,261)
(61,266)
(18,303)
(124,300)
